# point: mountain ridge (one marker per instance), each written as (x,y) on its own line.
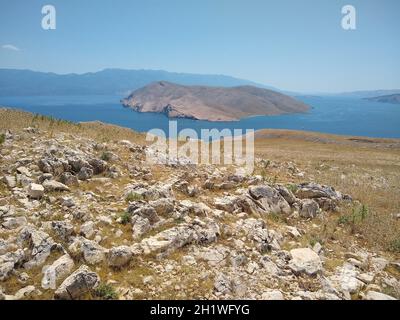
(17,82)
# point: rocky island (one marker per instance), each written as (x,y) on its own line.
(211,103)
(393,98)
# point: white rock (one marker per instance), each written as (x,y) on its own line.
(24,171)
(77,284)
(57,271)
(309,208)
(35,191)
(374,295)
(52,185)
(272,295)
(119,256)
(305,260)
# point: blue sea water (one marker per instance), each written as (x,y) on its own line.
(337,115)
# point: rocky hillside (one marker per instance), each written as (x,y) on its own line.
(211,103)
(82,216)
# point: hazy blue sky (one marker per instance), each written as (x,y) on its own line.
(290,44)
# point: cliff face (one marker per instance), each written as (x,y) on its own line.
(211,103)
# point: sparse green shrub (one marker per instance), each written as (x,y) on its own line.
(106,292)
(2,138)
(357,215)
(133,196)
(125,218)
(314,239)
(394,246)
(343,219)
(292,187)
(356,218)
(106,156)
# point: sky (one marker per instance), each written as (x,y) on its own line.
(289,44)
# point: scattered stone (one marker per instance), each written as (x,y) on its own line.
(35,191)
(77,284)
(57,271)
(52,185)
(309,208)
(272,295)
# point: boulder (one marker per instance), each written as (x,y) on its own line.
(223,284)
(311,190)
(12,223)
(286,194)
(40,243)
(69,179)
(374,295)
(56,272)
(227,203)
(119,256)
(85,173)
(52,185)
(35,191)
(309,208)
(145,211)
(80,282)
(346,279)
(9,261)
(98,165)
(63,229)
(92,252)
(140,226)
(272,295)
(88,229)
(305,260)
(270,199)
(162,206)
(53,165)
(169,240)
(10,181)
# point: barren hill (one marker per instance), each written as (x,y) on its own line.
(211,103)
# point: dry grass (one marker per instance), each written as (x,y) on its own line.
(366,169)
(17,120)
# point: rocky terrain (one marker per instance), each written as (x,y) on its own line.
(211,103)
(83,216)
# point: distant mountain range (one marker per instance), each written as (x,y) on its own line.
(367,93)
(16,82)
(211,103)
(107,82)
(393,98)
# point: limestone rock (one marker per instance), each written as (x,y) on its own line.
(119,256)
(35,191)
(77,284)
(306,261)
